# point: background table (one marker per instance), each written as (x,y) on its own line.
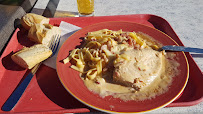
(10,12)
(185,17)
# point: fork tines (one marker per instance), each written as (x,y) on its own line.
(54,43)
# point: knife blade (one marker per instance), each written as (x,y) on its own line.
(182,48)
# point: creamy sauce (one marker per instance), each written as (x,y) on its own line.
(156,87)
(157,77)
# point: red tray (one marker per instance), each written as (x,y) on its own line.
(45,92)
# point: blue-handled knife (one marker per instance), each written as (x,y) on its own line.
(182,48)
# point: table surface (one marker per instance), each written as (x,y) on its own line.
(185,17)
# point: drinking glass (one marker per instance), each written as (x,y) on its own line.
(85,7)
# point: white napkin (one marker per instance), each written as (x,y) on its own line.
(67,30)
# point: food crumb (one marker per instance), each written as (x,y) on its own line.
(111,107)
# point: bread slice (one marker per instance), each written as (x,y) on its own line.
(30,18)
(43,33)
(29,57)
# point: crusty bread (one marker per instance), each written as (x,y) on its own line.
(30,18)
(29,57)
(43,33)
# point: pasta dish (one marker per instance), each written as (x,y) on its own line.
(125,65)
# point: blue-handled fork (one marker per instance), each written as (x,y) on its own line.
(17,93)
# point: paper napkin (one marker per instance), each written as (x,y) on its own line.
(67,30)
